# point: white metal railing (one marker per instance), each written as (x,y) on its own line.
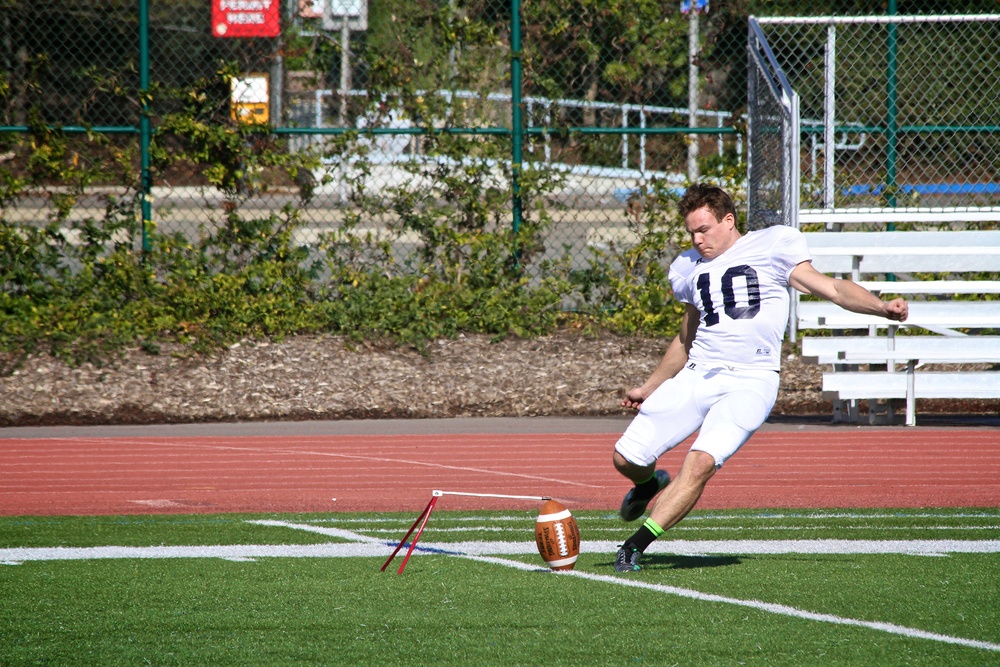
(644,112)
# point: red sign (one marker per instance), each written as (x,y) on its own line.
(246,18)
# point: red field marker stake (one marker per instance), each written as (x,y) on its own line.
(422,520)
(426,514)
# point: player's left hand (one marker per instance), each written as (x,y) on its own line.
(634,398)
(897,310)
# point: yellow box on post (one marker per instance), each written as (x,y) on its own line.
(251,99)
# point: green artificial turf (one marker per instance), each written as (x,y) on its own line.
(456,611)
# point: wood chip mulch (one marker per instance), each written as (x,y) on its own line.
(322,377)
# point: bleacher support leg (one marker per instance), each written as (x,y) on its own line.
(911,392)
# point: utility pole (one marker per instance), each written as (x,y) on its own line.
(345,16)
(692,9)
(692,162)
(345,69)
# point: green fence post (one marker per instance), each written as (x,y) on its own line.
(891,111)
(145,130)
(517,134)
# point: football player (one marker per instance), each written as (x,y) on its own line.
(719,375)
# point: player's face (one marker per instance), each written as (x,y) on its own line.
(711,237)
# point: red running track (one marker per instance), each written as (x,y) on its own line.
(947,467)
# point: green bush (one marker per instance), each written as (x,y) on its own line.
(247,279)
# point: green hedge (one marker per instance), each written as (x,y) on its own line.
(247,278)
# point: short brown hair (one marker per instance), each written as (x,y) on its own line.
(700,195)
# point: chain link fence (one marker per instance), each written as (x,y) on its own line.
(448,118)
(898,121)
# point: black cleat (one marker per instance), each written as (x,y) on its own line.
(633,508)
(627,559)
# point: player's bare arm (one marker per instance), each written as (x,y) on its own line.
(846,294)
(672,362)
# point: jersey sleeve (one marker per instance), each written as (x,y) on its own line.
(789,250)
(680,276)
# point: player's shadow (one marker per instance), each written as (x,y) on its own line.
(673,562)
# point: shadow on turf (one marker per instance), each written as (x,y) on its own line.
(671,562)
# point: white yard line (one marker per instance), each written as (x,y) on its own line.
(369,546)
(691,517)
(769,607)
(365,545)
(995,529)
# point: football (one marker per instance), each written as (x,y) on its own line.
(557,536)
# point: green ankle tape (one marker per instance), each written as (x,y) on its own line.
(653,527)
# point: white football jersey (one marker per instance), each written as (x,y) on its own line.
(742,296)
